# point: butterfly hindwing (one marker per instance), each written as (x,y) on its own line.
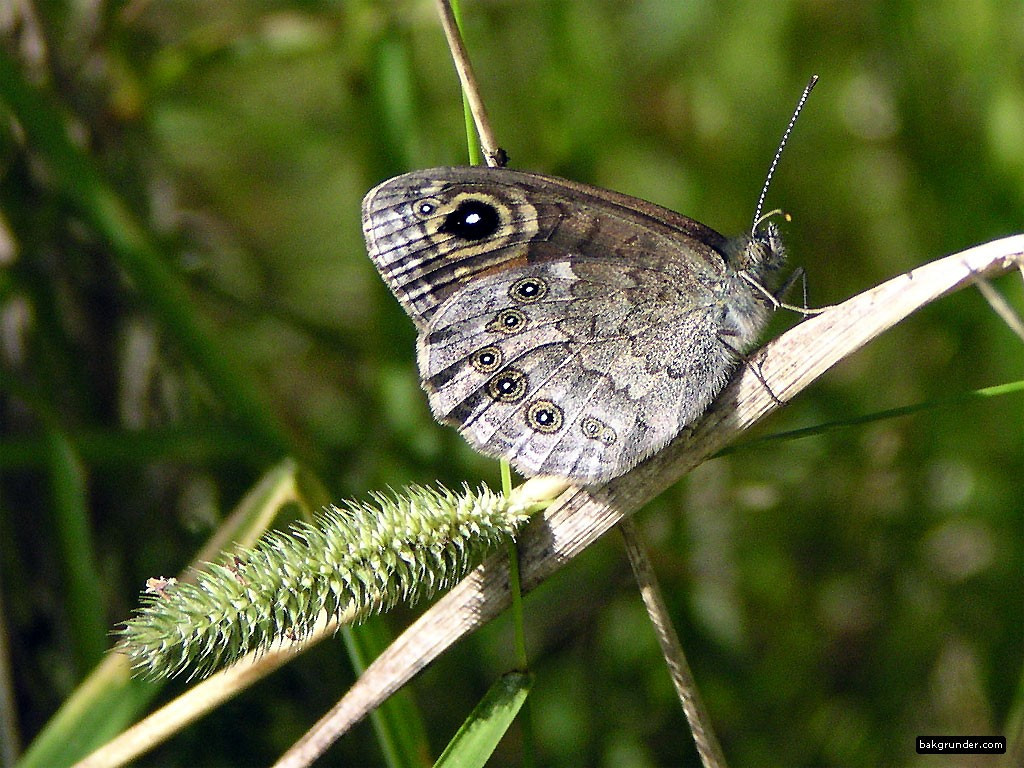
(583,379)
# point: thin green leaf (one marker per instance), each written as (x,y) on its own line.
(398,722)
(479,735)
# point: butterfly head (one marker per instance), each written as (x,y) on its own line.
(759,255)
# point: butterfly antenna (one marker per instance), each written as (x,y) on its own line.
(778,152)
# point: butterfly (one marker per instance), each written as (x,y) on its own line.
(570,329)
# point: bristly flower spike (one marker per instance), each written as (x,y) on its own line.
(353,561)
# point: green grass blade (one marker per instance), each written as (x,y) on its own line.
(398,722)
(962,398)
(476,740)
(86,612)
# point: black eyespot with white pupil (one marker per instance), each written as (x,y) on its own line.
(508,386)
(426,207)
(528,289)
(487,359)
(472,220)
(544,416)
(510,321)
(507,321)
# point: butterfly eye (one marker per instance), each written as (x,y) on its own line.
(509,386)
(544,416)
(528,289)
(486,360)
(472,220)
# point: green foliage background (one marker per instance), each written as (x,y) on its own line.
(837,595)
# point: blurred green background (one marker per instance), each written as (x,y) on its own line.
(837,595)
